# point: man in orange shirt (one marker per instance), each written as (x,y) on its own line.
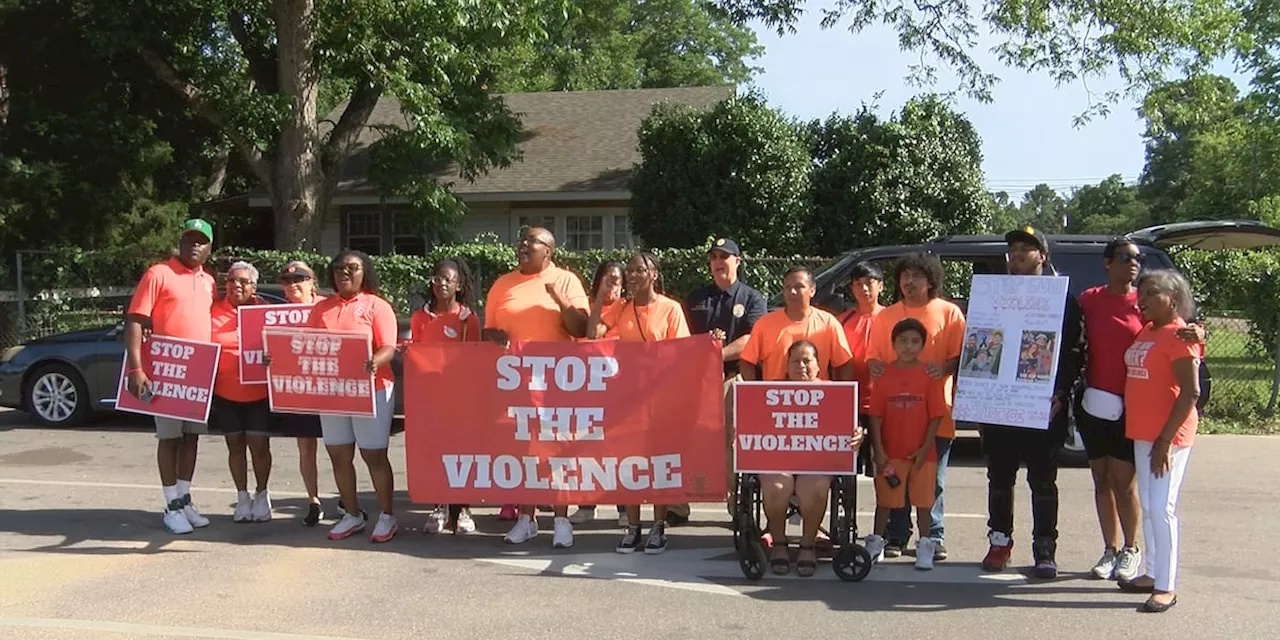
(918,278)
(174,297)
(866,282)
(1008,448)
(765,356)
(537,302)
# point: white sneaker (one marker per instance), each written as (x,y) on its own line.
(563,536)
(524,530)
(175,520)
(350,524)
(465,523)
(875,546)
(244,508)
(1105,568)
(385,529)
(193,517)
(1127,564)
(583,515)
(623,520)
(262,506)
(924,553)
(437,520)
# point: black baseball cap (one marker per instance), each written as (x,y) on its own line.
(1029,235)
(726,245)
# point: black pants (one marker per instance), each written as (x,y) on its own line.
(1007,449)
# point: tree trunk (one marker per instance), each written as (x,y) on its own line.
(299,199)
(217,174)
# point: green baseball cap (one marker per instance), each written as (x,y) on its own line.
(198,225)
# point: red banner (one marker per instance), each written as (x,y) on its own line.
(319,372)
(795,427)
(181,373)
(250,321)
(576,423)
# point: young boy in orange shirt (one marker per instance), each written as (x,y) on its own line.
(906,408)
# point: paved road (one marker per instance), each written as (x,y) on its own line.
(83,555)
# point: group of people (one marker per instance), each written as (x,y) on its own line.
(1126,344)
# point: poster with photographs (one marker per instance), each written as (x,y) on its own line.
(1010,353)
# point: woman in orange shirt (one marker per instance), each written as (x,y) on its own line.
(645,316)
(1160,392)
(240,411)
(447,316)
(358,307)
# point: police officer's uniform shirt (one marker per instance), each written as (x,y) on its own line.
(734,310)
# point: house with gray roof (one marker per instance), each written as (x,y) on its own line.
(578,150)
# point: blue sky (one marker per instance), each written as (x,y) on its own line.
(1027,132)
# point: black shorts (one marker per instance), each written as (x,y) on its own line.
(297,425)
(231,417)
(1102,438)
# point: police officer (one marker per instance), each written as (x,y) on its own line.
(727,309)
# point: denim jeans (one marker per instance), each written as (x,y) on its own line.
(899,528)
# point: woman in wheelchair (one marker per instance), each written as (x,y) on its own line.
(810,491)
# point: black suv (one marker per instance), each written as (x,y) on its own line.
(1077,256)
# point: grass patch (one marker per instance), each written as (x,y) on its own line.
(1241,380)
(1259,426)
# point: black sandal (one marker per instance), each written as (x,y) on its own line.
(780,564)
(806,568)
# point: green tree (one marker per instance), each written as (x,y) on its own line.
(1043,209)
(1110,207)
(631,44)
(913,176)
(739,169)
(254,70)
(1006,214)
(1068,40)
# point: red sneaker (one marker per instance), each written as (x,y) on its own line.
(998,555)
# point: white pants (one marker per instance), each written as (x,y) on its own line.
(1159,498)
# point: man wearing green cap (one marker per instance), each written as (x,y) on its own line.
(173,297)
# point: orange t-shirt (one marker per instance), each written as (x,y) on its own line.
(1151,388)
(661,319)
(520,305)
(906,399)
(363,313)
(945,323)
(773,334)
(458,326)
(177,300)
(223,323)
(857,332)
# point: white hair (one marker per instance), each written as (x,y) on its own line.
(241,265)
(1175,285)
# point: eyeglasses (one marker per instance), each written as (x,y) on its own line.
(1124,256)
(531,240)
(443,281)
(242,281)
(348,268)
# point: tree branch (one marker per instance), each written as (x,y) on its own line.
(195,98)
(347,131)
(262,62)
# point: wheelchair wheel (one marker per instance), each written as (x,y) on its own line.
(752,558)
(852,563)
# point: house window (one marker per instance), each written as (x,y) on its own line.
(584,232)
(407,236)
(364,231)
(621,232)
(546,222)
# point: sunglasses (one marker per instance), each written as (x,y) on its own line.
(1125,256)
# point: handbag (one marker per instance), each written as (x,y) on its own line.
(1102,404)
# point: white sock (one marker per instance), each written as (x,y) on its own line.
(170,494)
(184,487)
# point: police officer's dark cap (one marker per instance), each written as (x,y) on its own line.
(726,245)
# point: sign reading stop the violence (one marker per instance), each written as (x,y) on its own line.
(181,374)
(319,372)
(250,321)
(574,423)
(795,427)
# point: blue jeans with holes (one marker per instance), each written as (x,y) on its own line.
(899,528)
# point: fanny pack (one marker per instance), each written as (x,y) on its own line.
(1103,404)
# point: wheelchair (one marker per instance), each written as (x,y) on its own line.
(851,561)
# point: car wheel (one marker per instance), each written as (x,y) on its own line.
(58,396)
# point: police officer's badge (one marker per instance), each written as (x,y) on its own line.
(738,310)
